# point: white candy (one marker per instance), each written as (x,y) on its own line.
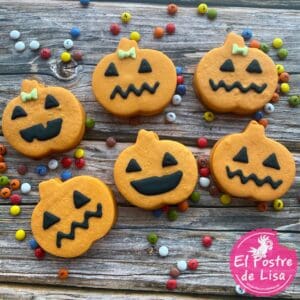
(239,290)
(25,188)
(14,34)
(20,46)
(163,251)
(171,117)
(52,164)
(68,44)
(204,182)
(34,45)
(269,108)
(181,265)
(176,100)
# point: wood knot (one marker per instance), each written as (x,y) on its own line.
(65,71)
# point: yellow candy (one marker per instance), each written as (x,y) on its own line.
(225,199)
(125,17)
(15,210)
(280,69)
(284,87)
(277,43)
(134,35)
(20,235)
(79,153)
(208,116)
(65,57)
(202,8)
(278,204)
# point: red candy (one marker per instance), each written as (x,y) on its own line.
(115,28)
(207,241)
(193,264)
(15,199)
(39,253)
(66,162)
(79,163)
(45,53)
(170,28)
(165,208)
(202,142)
(180,79)
(77,55)
(171,284)
(204,172)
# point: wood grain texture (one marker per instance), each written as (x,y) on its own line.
(123,265)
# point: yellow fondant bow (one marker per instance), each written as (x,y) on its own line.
(239,50)
(33,95)
(130,53)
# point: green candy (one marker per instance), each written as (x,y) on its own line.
(212,13)
(89,123)
(264,47)
(172,214)
(195,197)
(152,238)
(294,100)
(282,53)
(4,180)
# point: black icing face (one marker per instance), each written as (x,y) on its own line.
(144,67)
(155,185)
(38,131)
(79,201)
(228,67)
(269,162)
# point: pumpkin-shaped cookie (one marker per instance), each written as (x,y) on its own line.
(43,120)
(152,173)
(250,165)
(134,81)
(71,215)
(235,78)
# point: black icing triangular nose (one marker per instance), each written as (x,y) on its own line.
(80,199)
(49,220)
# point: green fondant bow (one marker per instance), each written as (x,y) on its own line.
(239,50)
(130,53)
(33,95)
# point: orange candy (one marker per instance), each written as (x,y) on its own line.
(15,184)
(263,122)
(63,273)
(284,77)
(275,97)
(262,206)
(254,44)
(183,206)
(5,193)
(172,9)
(3,167)
(2,149)
(158,32)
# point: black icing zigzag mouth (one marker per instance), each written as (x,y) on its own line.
(155,185)
(42,133)
(132,89)
(237,84)
(259,182)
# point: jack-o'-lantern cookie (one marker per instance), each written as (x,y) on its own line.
(235,78)
(71,215)
(250,165)
(134,81)
(43,120)
(152,173)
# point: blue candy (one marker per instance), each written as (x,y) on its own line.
(65,175)
(258,115)
(181,89)
(247,34)
(33,244)
(85,2)
(157,213)
(179,70)
(41,170)
(75,32)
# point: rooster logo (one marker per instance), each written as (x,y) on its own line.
(264,246)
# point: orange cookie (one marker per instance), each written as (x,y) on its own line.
(134,81)
(71,215)
(43,120)
(153,173)
(235,78)
(250,165)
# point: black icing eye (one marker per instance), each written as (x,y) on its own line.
(271,162)
(18,113)
(254,67)
(49,220)
(227,66)
(51,102)
(80,199)
(111,70)
(133,166)
(242,156)
(169,160)
(145,67)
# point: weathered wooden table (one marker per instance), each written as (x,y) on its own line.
(121,266)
